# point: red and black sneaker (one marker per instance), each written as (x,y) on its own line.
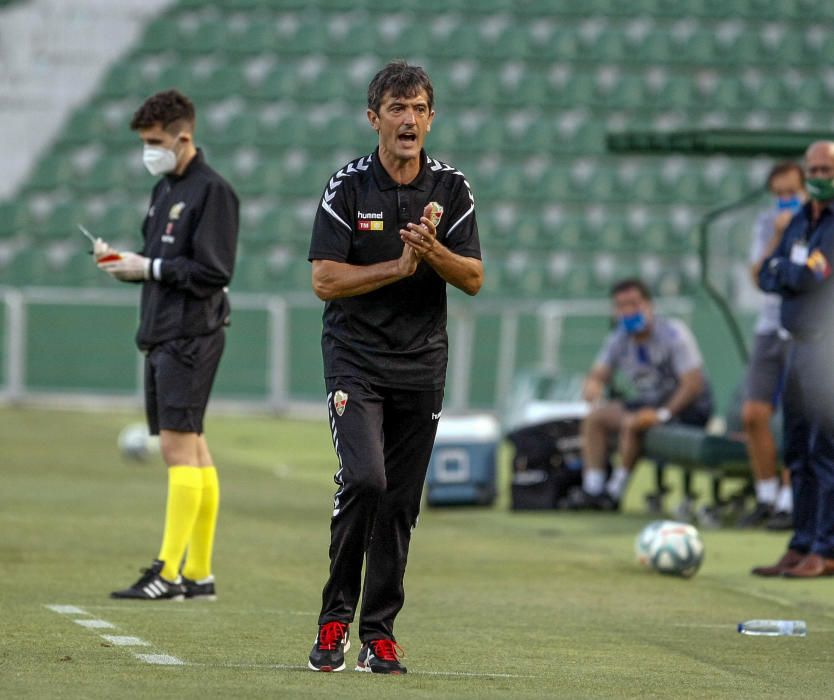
(328,653)
(381,656)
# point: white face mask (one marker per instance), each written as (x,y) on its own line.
(159,160)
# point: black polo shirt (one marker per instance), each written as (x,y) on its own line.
(190,233)
(394,336)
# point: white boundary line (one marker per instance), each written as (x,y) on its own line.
(161,659)
(115,640)
(292,667)
(199,608)
(118,640)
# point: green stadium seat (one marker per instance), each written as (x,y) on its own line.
(329,6)
(463,42)
(570,234)
(15,218)
(52,171)
(512,43)
(205,38)
(62,222)
(562,45)
(79,271)
(161,35)
(250,274)
(308,39)
(268,176)
(656,48)
(524,280)
(125,79)
(529,89)
(121,221)
(577,283)
(580,89)
(240,130)
(809,93)
(679,92)
(28,268)
(608,46)
(291,130)
(281,82)
(258,36)
(627,92)
(556,184)
(538,137)
(697,48)
(330,84)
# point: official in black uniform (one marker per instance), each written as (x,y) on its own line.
(190,237)
(800,271)
(382,255)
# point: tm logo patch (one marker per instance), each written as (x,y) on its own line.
(370,225)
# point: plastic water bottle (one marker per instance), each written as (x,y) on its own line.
(774,628)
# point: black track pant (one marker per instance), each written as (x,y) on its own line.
(383,439)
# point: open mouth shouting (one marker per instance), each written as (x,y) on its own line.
(407,138)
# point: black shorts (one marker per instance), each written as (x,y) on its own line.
(765,373)
(178,378)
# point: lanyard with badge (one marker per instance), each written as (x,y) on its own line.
(799,250)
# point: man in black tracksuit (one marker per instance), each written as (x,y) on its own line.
(392,229)
(190,238)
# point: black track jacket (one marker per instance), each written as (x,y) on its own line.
(190,234)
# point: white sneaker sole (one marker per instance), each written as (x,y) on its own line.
(325,670)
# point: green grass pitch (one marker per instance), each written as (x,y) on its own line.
(498,604)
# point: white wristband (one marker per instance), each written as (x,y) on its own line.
(157,269)
(664,415)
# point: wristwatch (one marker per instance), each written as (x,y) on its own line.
(664,415)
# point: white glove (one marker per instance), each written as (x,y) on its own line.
(129,268)
(100,249)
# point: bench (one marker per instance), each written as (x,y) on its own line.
(694,449)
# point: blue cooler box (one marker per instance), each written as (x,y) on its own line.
(462,466)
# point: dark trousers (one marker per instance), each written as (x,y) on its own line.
(808,406)
(383,440)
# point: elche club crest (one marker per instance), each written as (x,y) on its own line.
(340,399)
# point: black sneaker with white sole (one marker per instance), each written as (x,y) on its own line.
(380,656)
(578,499)
(756,517)
(199,590)
(328,653)
(151,586)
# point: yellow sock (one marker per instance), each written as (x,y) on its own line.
(198,563)
(185,489)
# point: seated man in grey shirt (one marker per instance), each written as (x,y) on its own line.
(661,361)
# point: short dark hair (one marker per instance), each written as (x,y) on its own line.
(783,168)
(402,80)
(631,283)
(167,108)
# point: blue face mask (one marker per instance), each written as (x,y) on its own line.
(634,323)
(793,204)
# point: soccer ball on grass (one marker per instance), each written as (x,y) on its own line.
(136,444)
(644,541)
(676,549)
